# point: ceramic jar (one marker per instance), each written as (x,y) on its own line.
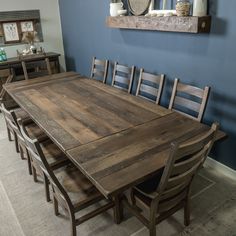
(115,7)
(183,7)
(200,8)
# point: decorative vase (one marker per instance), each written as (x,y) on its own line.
(115,7)
(200,8)
(183,7)
(33,48)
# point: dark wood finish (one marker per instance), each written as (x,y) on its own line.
(117,140)
(65,185)
(150,84)
(55,158)
(119,161)
(123,77)
(99,69)
(5,77)
(195,102)
(77,114)
(15,62)
(36,69)
(190,24)
(33,130)
(10,121)
(173,189)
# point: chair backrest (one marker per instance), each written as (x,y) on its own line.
(99,69)
(182,165)
(35,151)
(5,77)
(36,68)
(189,100)
(11,119)
(150,86)
(123,77)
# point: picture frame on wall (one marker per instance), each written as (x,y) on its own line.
(27,26)
(11,33)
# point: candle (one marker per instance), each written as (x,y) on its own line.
(164,4)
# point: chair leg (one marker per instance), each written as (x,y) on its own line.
(9,134)
(152,230)
(16,143)
(34,174)
(187,213)
(73,225)
(55,205)
(46,186)
(152,222)
(29,163)
(21,153)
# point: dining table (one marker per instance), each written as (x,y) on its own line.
(117,140)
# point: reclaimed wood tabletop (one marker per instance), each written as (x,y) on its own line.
(116,139)
(74,110)
(122,160)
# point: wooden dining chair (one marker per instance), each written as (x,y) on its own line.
(123,77)
(7,117)
(5,77)
(55,158)
(189,100)
(171,192)
(99,69)
(150,86)
(70,188)
(33,130)
(37,68)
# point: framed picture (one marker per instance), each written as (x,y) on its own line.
(10,31)
(27,26)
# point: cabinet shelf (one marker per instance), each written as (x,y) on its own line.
(190,24)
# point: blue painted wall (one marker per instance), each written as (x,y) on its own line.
(197,59)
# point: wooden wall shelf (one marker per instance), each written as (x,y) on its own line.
(189,24)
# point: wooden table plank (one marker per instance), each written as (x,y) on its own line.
(26,84)
(73,110)
(119,161)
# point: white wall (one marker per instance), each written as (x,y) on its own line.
(50,21)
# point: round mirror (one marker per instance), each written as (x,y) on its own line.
(138,7)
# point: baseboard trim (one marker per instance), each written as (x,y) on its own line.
(225,170)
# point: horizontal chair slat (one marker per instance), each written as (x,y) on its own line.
(121,79)
(98,73)
(151,78)
(173,191)
(123,69)
(185,165)
(173,181)
(99,62)
(148,89)
(198,92)
(194,106)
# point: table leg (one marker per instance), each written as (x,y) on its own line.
(58,66)
(118,209)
